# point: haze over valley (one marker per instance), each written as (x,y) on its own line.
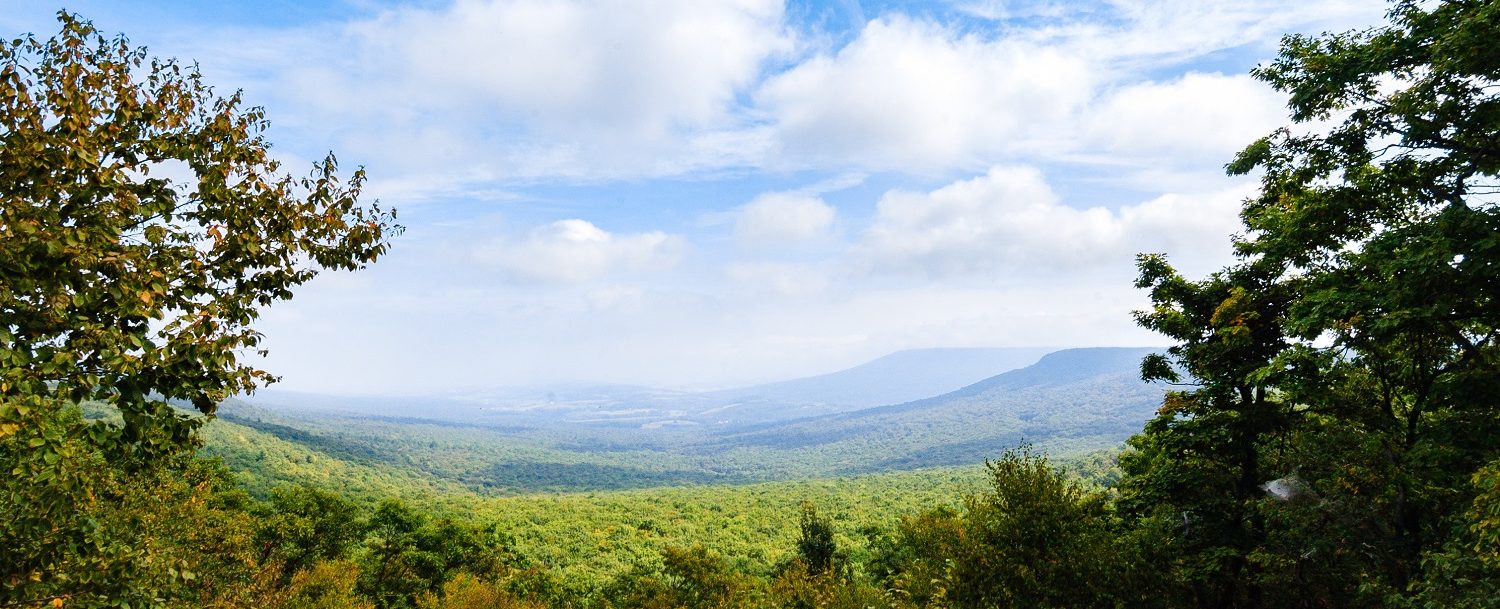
(908,410)
(749,304)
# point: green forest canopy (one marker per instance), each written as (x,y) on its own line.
(1346,361)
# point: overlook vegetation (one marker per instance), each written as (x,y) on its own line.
(1070,402)
(1329,438)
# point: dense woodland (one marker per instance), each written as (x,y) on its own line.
(1333,438)
(1070,402)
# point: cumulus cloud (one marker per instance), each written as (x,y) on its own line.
(470,105)
(506,88)
(479,91)
(1197,114)
(572,251)
(909,93)
(784,217)
(584,65)
(1009,219)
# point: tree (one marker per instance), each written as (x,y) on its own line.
(1034,539)
(914,562)
(64,536)
(87,534)
(408,555)
(1198,466)
(688,578)
(121,280)
(305,526)
(143,228)
(1388,225)
(815,543)
(1369,268)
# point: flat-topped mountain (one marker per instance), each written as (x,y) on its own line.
(1082,398)
(902,376)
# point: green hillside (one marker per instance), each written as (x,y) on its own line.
(262,460)
(586,538)
(1071,402)
(482,459)
(1322,432)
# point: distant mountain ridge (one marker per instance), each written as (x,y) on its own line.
(1068,402)
(895,378)
(1087,398)
(898,377)
(1067,366)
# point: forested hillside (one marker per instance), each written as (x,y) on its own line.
(1323,431)
(1070,402)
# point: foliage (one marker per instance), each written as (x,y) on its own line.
(110,535)
(120,282)
(410,555)
(798,588)
(326,585)
(1463,573)
(1484,514)
(1330,441)
(305,526)
(914,561)
(1348,361)
(815,545)
(468,592)
(689,578)
(63,536)
(1036,539)
(264,462)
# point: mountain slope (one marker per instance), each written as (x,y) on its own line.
(899,377)
(1069,402)
(1076,399)
(273,455)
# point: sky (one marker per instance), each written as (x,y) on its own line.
(698,193)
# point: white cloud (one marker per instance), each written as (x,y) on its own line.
(614,297)
(909,94)
(581,66)
(1000,10)
(474,106)
(1167,31)
(784,217)
(485,91)
(1010,220)
(1196,115)
(994,10)
(781,278)
(537,88)
(572,251)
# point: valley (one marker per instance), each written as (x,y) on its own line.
(591,500)
(1068,402)
(666,319)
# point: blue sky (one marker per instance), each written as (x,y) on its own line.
(697,193)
